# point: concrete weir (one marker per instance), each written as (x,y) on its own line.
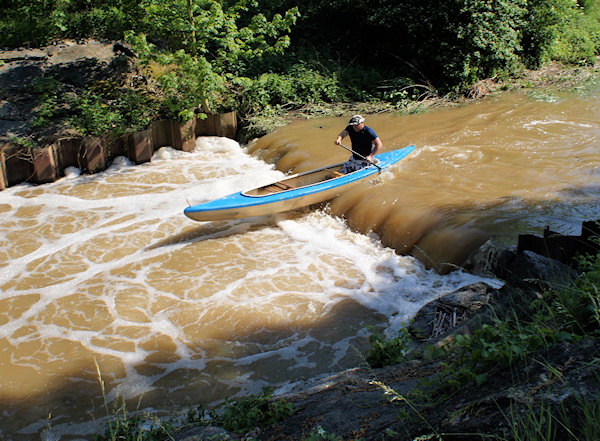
(91,155)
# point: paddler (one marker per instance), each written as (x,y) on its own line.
(365,144)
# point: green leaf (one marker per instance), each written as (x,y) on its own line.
(481,379)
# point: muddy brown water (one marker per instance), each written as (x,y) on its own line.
(104,275)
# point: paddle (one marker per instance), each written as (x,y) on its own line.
(358,154)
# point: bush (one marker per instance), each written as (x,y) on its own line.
(561,30)
(301,86)
(386,352)
(246,414)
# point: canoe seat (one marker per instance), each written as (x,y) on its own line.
(333,175)
(283,186)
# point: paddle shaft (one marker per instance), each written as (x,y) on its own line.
(358,154)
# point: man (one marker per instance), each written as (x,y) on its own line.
(365,144)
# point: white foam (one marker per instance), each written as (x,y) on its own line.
(213,290)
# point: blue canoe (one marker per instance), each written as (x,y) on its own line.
(293,192)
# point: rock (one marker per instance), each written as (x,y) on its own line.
(491,260)
(12,129)
(14,76)
(442,315)
(525,269)
(202,433)
(8,111)
(534,272)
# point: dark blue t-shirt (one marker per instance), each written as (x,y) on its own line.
(362,141)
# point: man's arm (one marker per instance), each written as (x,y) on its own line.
(377,145)
(341,136)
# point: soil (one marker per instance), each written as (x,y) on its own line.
(73,65)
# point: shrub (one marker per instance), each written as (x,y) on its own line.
(245,414)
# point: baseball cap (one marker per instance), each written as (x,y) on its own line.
(355,120)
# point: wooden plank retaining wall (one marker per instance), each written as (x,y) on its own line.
(91,155)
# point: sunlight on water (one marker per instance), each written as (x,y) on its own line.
(487,170)
(105,268)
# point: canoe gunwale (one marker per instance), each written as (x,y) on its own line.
(291,177)
(298,175)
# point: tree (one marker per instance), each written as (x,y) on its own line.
(200,45)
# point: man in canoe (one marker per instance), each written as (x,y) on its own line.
(365,144)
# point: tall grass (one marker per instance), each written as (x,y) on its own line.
(514,342)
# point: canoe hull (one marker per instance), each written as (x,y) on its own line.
(254,203)
(269,208)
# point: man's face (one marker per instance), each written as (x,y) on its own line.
(358,127)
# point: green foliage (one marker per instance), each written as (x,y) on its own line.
(534,424)
(301,86)
(583,417)
(48,89)
(108,21)
(502,344)
(94,113)
(38,22)
(123,426)
(239,416)
(26,143)
(564,314)
(245,414)
(95,117)
(217,55)
(455,45)
(103,108)
(35,22)
(579,421)
(560,30)
(560,315)
(385,351)
(207,43)
(187,82)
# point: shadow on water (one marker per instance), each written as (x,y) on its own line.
(40,415)
(439,235)
(215,230)
(221,229)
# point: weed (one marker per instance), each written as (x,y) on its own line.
(26,143)
(320,434)
(385,352)
(563,314)
(240,416)
(245,414)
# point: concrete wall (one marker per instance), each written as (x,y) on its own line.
(91,155)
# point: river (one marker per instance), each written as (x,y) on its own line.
(103,273)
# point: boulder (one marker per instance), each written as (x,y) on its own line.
(202,433)
(525,269)
(443,315)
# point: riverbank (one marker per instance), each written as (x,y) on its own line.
(551,77)
(94,91)
(511,364)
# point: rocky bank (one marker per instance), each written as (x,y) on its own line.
(72,64)
(376,404)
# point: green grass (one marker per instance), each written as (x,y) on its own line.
(237,416)
(515,341)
